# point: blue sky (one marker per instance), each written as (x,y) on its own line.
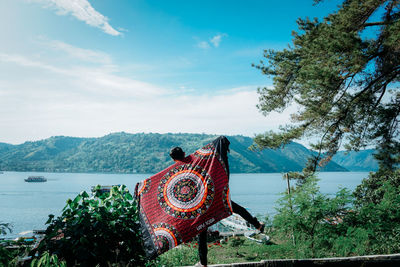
(89,68)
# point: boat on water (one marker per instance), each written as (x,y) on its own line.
(35,179)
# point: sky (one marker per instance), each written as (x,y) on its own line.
(88,68)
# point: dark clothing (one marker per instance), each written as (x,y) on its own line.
(203,249)
(221,145)
(236,208)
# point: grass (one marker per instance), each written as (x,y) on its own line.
(236,249)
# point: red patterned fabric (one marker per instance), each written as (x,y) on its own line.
(181,201)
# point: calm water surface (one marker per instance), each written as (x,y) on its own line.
(27,205)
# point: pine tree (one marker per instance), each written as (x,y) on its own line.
(344,73)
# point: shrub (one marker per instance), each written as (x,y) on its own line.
(5,255)
(102,229)
(380,221)
(47,260)
(308,218)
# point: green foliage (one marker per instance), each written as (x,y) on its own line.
(351,241)
(319,226)
(102,229)
(47,260)
(380,220)
(236,242)
(343,72)
(248,251)
(11,251)
(304,218)
(181,256)
(5,255)
(371,190)
(187,255)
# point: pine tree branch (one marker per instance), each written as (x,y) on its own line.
(378,23)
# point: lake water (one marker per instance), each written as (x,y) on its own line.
(27,205)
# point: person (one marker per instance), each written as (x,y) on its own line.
(177,154)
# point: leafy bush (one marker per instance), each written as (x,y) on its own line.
(371,190)
(308,218)
(380,221)
(99,230)
(47,260)
(5,255)
(319,226)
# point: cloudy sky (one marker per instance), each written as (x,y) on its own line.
(89,68)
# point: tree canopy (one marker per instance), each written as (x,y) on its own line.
(343,72)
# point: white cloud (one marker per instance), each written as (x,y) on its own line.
(27,62)
(82,10)
(216,40)
(80,53)
(96,80)
(203,45)
(213,41)
(42,97)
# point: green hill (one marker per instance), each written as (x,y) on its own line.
(357,161)
(143,153)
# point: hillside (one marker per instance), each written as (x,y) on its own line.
(357,161)
(142,153)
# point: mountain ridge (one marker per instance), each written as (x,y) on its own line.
(362,160)
(143,153)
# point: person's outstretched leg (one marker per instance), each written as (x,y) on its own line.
(203,249)
(236,208)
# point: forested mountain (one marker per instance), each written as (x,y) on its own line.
(5,147)
(143,153)
(362,160)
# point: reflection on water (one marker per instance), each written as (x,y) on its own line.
(27,205)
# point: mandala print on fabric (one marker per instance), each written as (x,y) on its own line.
(166,237)
(186,192)
(144,187)
(226,199)
(207,152)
